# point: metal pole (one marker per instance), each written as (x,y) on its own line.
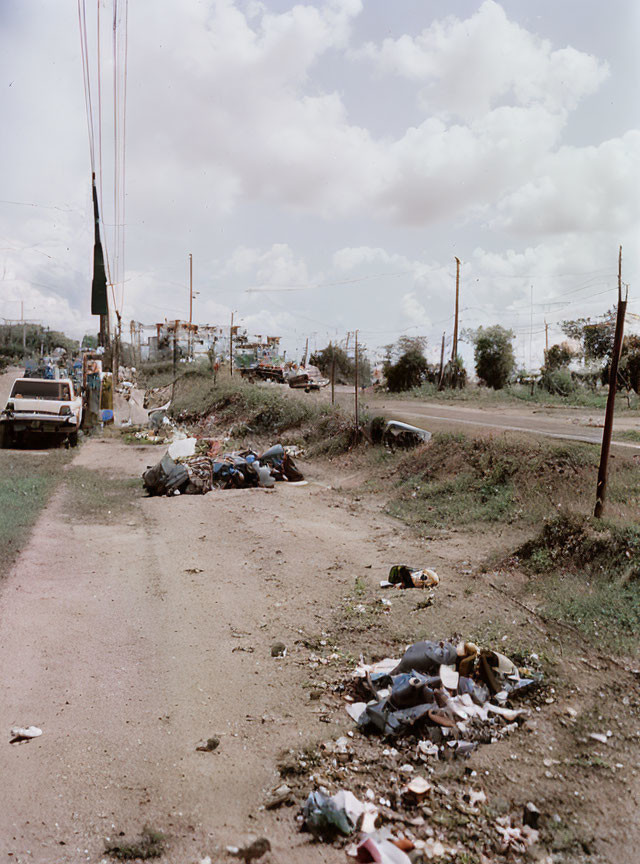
(454,347)
(231,347)
(611,397)
(173,386)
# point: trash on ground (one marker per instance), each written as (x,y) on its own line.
(22,734)
(403,576)
(208,745)
(199,474)
(341,813)
(252,852)
(448,694)
(278,649)
(382,848)
(397,434)
(182,447)
(280,795)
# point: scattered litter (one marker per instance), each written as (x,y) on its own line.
(22,734)
(251,852)
(325,817)
(381,847)
(397,434)
(281,795)
(599,737)
(182,447)
(278,649)
(208,745)
(403,576)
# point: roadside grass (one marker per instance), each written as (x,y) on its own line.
(457,480)
(249,409)
(588,573)
(518,393)
(628,435)
(94,496)
(27,480)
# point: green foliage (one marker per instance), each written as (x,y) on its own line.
(344,365)
(557,357)
(558,381)
(595,337)
(37,337)
(493,354)
(89,341)
(26,482)
(150,844)
(410,370)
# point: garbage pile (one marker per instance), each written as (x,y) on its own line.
(438,701)
(199,474)
(450,694)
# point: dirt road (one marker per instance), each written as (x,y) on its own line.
(132,630)
(128,638)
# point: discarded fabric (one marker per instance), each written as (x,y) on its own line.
(404,576)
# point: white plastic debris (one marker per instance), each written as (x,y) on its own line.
(20,734)
(182,447)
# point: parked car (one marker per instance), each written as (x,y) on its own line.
(42,407)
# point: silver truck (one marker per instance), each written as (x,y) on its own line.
(41,407)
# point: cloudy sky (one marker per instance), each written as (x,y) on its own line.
(325,162)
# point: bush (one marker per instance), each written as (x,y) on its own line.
(493,354)
(410,371)
(558,381)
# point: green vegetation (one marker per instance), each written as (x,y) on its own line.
(457,480)
(628,435)
(493,355)
(251,409)
(150,844)
(26,482)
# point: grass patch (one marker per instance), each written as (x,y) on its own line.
(93,496)
(250,409)
(150,844)
(593,577)
(26,482)
(457,480)
(628,435)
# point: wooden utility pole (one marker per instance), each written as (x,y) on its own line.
(454,347)
(24,329)
(611,397)
(441,378)
(306,351)
(546,336)
(333,373)
(231,347)
(356,379)
(173,386)
(189,341)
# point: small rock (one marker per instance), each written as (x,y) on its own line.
(531,815)
(278,649)
(251,852)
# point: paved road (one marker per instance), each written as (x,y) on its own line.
(565,424)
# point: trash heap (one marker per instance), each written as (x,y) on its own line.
(451,694)
(199,474)
(441,700)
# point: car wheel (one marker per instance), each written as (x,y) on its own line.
(73,439)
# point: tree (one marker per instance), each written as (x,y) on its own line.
(556,377)
(595,337)
(89,341)
(493,355)
(345,365)
(411,367)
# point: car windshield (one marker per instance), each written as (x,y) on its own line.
(28,388)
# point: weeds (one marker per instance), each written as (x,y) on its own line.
(457,480)
(26,482)
(150,844)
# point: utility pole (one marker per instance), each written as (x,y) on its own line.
(306,351)
(333,373)
(546,335)
(190,303)
(356,380)
(441,379)
(24,329)
(531,335)
(231,347)
(173,386)
(454,347)
(611,397)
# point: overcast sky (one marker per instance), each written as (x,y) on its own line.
(342,152)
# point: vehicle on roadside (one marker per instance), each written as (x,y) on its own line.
(307,379)
(42,407)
